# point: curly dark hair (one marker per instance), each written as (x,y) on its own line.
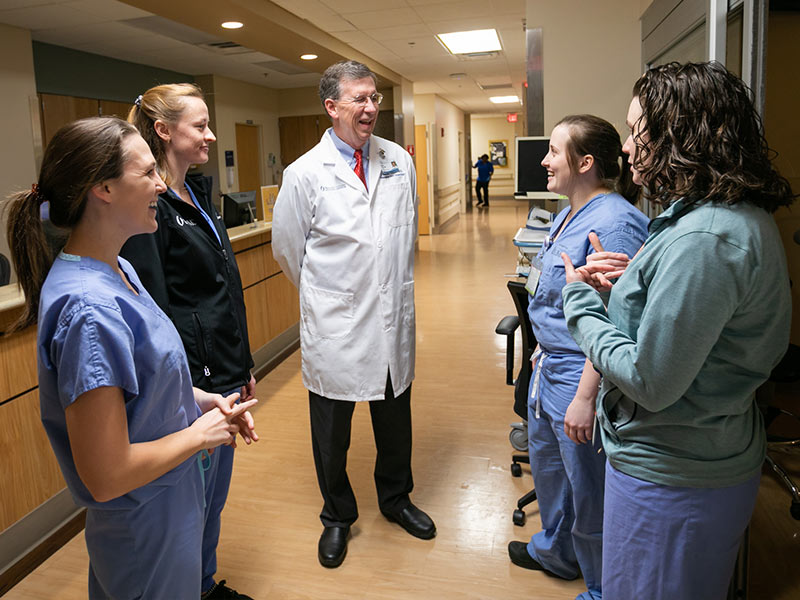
(700,138)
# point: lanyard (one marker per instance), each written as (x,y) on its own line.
(202,212)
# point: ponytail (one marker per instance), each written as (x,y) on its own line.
(79,156)
(30,251)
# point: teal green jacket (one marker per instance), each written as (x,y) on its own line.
(695,324)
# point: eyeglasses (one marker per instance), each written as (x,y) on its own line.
(376,98)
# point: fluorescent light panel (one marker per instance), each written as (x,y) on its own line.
(504,99)
(467,42)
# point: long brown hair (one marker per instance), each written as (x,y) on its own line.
(161,103)
(592,135)
(703,140)
(79,156)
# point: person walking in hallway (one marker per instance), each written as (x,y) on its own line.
(485,172)
(343,231)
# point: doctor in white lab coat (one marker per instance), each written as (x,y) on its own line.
(343,231)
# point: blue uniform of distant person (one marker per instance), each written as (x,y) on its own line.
(94,332)
(485,172)
(569,477)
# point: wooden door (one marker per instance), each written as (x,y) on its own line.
(117,109)
(247,157)
(57,111)
(299,135)
(421,160)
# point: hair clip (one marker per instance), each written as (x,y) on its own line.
(36,193)
(138,101)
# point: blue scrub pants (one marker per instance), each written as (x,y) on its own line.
(218,482)
(568,479)
(664,542)
(152,550)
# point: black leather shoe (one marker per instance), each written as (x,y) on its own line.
(414,521)
(518,552)
(220,591)
(333,546)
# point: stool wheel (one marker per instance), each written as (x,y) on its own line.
(516,470)
(519,517)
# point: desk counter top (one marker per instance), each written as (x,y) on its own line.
(11,295)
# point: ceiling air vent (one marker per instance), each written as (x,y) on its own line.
(495,86)
(478,55)
(226,48)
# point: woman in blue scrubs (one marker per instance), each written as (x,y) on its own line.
(692,328)
(117,402)
(583,163)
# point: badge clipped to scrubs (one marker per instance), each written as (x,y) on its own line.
(533,276)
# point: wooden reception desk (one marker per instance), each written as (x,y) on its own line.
(35,508)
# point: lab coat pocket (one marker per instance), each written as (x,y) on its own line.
(397,209)
(327,314)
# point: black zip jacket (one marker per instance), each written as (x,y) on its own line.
(195,280)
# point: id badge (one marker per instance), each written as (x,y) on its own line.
(533,277)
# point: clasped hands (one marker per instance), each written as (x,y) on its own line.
(237,415)
(600,268)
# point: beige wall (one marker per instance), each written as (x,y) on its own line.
(447,175)
(18,101)
(232,102)
(782,129)
(494,128)
(590,63)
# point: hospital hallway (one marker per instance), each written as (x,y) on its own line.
(461,410)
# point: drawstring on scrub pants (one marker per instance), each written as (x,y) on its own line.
(536,374)
(535,395)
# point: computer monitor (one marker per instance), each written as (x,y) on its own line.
(238,208)
(530,177)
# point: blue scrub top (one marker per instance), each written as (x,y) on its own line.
(620,226)
(95,332)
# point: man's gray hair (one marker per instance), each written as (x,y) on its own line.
(345,70)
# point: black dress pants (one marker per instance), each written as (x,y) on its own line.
(330,438)
(482,185)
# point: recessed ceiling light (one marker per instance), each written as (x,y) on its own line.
(467,42)
(504,99)
(308,56)
(232,25)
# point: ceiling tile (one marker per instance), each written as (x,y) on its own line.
(446,12)
(376,19)
(352,6)
(44,17)
(107,10)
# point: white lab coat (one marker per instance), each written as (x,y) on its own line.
(351,255)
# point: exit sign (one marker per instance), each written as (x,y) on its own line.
(511,117)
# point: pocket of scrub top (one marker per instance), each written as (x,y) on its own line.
(397,208)
(327,314)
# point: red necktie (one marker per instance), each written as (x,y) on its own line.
(359,168)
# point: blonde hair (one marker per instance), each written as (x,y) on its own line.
(161,103)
